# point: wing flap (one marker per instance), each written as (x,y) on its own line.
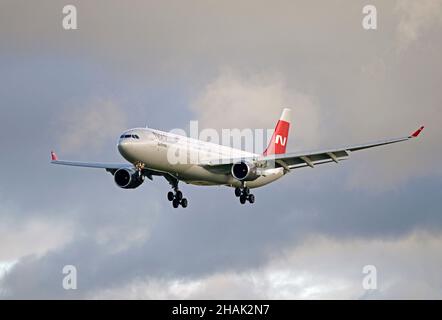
(299,160)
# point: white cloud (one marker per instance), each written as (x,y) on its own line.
(88,127)
(5,266)
(415,18)
(120,234)
(233,100)
(321,268)
(32,236)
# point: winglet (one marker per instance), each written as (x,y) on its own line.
(53,156)
(417,132)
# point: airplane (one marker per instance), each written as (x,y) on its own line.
(147,151)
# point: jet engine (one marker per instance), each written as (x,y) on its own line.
(244,171)
(127,178)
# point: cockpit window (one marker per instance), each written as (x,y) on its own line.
(134,136)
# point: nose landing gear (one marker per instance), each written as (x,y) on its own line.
(244,195)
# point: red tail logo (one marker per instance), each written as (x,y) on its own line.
(281,140)
(278,142)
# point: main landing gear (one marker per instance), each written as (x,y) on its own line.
(244,195)
(176,197)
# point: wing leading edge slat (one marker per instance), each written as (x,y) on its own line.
(100,165)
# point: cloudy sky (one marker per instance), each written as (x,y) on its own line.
(227,64)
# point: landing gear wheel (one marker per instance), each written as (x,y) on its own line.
(246,191)
(243,199)
(176,197)
(238,191)
(251,198)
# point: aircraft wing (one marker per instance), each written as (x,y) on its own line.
(312,158)
(111,167)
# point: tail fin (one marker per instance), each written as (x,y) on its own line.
(279,139)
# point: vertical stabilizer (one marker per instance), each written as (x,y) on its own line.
(278,143)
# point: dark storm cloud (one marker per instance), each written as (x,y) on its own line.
(210,240)
(150,62)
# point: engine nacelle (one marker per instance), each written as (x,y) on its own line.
(128,178)
(244,171)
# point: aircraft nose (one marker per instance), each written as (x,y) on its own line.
(128,145)
(123,146)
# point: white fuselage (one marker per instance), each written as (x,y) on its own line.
(186,159)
